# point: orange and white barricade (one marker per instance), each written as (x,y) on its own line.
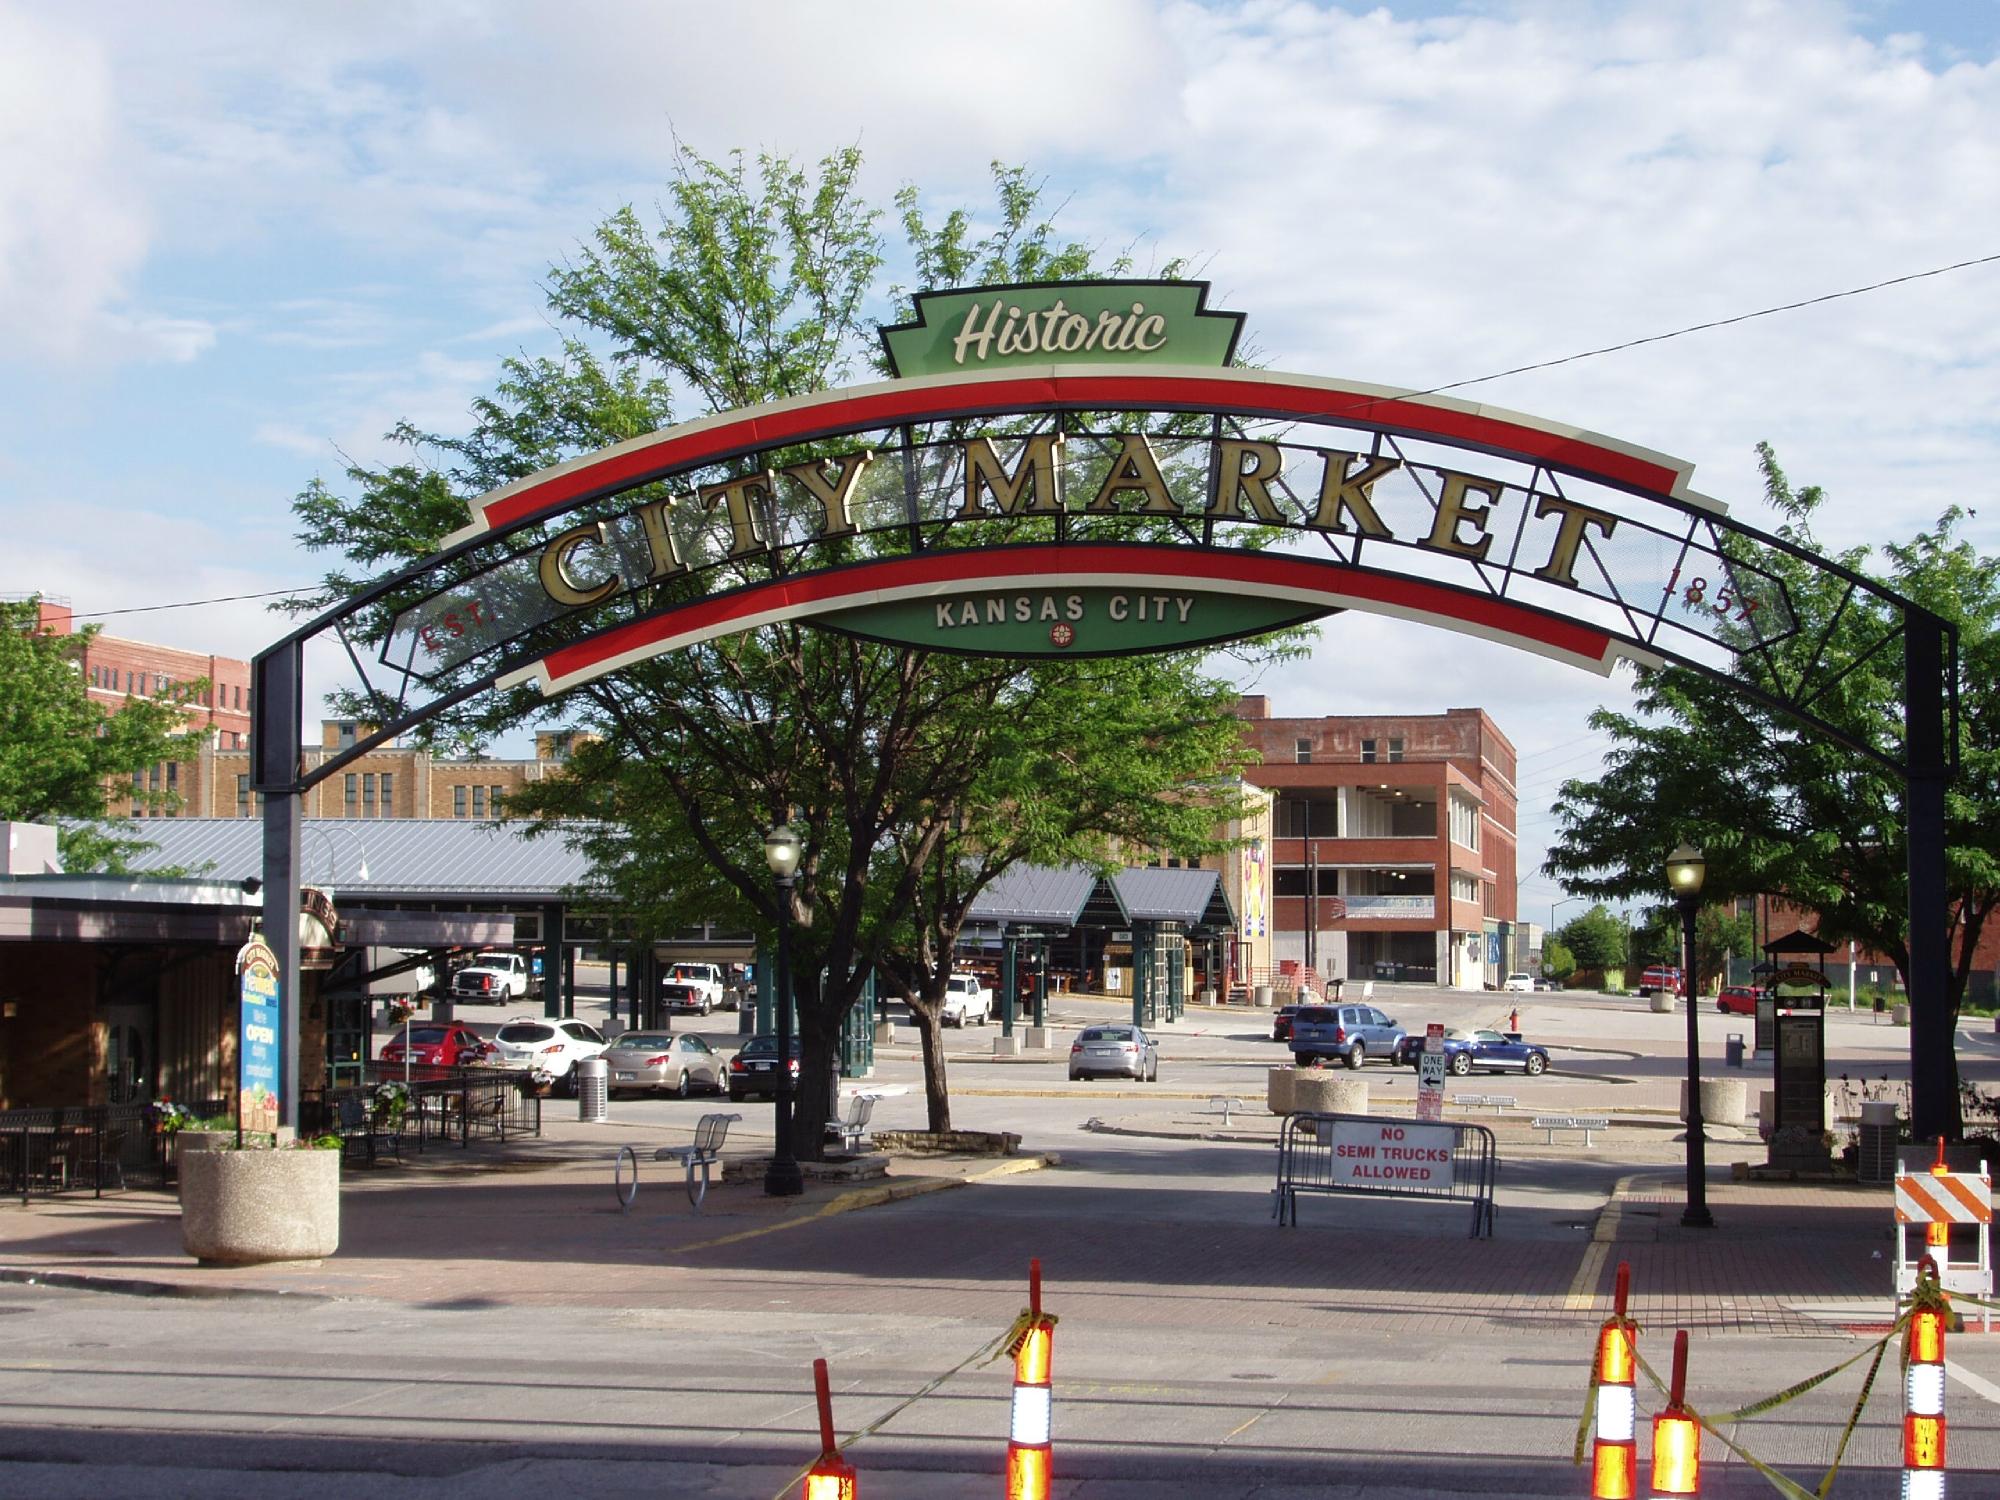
(1677,1436)
(1029,1463)
(1614,1466)
(831,1477)
(1923,1392)
(1932,1203)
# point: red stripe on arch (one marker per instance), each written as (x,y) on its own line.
(876,407)
(1052,567)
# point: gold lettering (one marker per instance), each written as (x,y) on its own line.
(1037,472)
(1343,491)
(1136,469)
(554,566)
(833,495)
(1569,536)
(1454,512)
(661,546)
(742,496)
(1253,484)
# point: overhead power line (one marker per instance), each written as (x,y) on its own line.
(146,609)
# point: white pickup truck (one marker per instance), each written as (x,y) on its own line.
(967,1001)
(492,977)
(706,979)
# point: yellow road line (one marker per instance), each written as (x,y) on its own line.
(1583,1286)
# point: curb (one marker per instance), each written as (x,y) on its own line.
(127,1286)
(917,1187)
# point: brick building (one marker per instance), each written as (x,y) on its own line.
(1393,843)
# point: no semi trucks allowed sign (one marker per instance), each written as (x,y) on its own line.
(1388,1154)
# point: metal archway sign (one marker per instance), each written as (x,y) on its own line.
(1077,469)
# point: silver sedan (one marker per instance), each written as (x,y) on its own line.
(1117,1051)
(659,1062)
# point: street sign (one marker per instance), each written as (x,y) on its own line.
(1388,1154)
(1430,1074)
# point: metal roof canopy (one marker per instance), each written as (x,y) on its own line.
(1194,898)
(1070,896)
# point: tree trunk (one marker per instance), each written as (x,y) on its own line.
(812,1102)
(937,1094)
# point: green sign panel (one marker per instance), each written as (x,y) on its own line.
(1087,621)
(1071,322)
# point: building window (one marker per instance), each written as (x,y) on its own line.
(368,794)
(1302,751)
(243,796)
(495,793)
(479,802)
(388,794)
(138,794)
(1395,747)
(346,734)
(1368,752)
(458,802)
(353,794)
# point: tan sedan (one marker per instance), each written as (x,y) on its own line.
(654,1062)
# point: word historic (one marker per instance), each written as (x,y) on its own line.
(1244,488)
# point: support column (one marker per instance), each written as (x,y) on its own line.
(554,1000)
(1010,988)
(1933,1065)
(275,691)
(569,979)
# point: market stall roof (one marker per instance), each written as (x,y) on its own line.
(1799,941)
(428,859)
(1036,896)
(1194,898)
(1069,896)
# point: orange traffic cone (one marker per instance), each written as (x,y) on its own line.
(1028,1451)
(1614,1465)
(1923,1390)
(1677,1436)
(831,1477)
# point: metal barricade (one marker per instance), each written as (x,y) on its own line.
(1375,1156)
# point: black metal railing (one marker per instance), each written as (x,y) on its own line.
(453,1105)
(70,1147)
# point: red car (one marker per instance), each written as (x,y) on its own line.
(435,1044)
(1737,1000)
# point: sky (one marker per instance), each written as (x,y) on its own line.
(239,241)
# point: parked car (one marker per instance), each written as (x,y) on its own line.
(491,976)
(437,1044)
(706,979)
(1659,977)
(1484,1051)
(1523,984)
(1352,1033)
(754,1069)
(1737,999)
(1281,1022)
(1121,1051)
(687,999)
(968,1001)
(660,1062)
(553,1046)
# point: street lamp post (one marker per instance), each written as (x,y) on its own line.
(782,1178)
(1685,871)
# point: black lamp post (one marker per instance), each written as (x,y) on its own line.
(781,1178)
(1685,872)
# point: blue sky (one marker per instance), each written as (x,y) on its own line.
(238,240)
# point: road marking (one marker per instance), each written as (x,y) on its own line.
(1583,1286)
(1978,1385)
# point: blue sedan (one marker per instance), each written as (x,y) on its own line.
(1492,1051)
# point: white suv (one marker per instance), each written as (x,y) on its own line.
(1519,984)
(546,1043)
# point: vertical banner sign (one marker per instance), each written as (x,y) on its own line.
(257,1037)
(1430,1074)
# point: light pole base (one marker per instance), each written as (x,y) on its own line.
(1697,1217)
(782,1178)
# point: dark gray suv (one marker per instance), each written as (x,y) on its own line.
(1352,1033)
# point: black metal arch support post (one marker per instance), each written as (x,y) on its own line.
(1933,1071)
(276,686)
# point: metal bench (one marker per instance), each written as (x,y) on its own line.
(1486,1101)
(850,1132)
(709,1133)
(1550,1124)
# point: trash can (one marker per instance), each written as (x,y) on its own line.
(593,1091)
(1732,1050)
(1876,1160)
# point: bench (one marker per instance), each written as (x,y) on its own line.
(1227,1103)
(1550,1124)
(850,1132)
(355,1124)
(709,1133)
(1486,1101)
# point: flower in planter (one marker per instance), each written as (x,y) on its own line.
(388,1106)
(398,1012)
(169,1117)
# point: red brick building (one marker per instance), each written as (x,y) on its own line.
(1393,843)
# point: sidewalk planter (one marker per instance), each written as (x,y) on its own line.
(1278,1090)
(1661,1001)
(1318,1092)
(1900,1015)
(1260,997)
(1724,1101)
(243,1207)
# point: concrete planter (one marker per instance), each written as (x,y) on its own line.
(1278,1090)
(1901,1015)
(1661,1002)
(242,1207)
(1261,997)
(1319,1092)
(1724,1101)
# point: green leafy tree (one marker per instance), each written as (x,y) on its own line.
(1595,939)
(1778,807)
(751,288)
(1558,963)
(59,750)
